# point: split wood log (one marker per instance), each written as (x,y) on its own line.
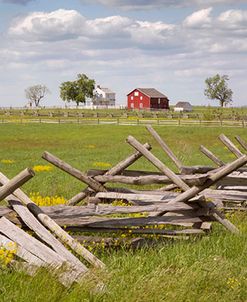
(204,169)
(164,197)
(113,171)
(236,178)
(38,254)
(10,186)
(109,222)
(241,142)
(20,251)
(150,179)
(104,222)
(102,210)
(196,169)
(170,187)
(234,188)
(131,173)
(54,227)
(31,244)
(157,163)
(225,170)
(29,219)
(211,156)
(165,147)
(229,144)
(191,192)
(81,221)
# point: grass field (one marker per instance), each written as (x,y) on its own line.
(212,268)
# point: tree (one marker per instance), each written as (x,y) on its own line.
(78,90)
(217,89)
(36,93)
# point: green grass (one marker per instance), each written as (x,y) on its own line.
(212,268)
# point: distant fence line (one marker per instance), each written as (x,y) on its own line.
(122,121)
(67,113)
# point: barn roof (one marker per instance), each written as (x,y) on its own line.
(183,104)
(151,92)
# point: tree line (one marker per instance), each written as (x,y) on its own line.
(83,87)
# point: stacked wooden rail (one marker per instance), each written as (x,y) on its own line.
(49,246)
(161,211)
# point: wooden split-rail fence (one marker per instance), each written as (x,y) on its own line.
(49,246)
(181,205)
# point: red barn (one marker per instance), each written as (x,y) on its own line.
(147,98)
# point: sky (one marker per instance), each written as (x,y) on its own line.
(169,45)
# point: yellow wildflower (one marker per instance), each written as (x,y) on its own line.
(47,200)
(233,283)
(42,168)
(102,164)
(7,161)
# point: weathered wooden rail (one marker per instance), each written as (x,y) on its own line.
(48,250)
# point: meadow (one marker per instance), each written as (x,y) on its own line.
(212,268)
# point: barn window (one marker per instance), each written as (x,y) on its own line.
(141,98)
(132,97)
(132,105)
(158,101)
(136,93)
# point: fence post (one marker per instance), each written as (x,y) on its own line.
(98,121)
(243,123)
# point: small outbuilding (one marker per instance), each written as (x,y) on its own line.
(183,107)
(147,98)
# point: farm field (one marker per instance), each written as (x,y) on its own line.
(212,268)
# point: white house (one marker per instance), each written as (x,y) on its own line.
(104,97)
(183,106)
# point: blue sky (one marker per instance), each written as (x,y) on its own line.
(170,45)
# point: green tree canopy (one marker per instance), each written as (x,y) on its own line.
(78,90)
(217,89)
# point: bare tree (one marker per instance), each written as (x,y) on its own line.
(36,93)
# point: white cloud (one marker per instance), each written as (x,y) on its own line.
(234,19)
(57,25)
(199,18)
(69,24)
